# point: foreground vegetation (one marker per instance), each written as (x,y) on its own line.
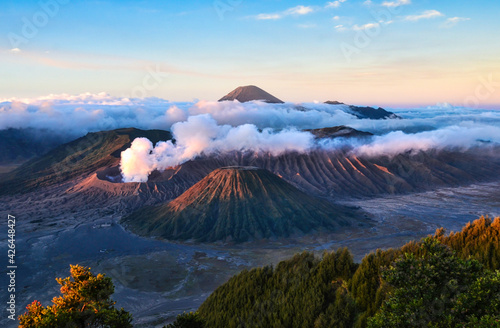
(441,281)
(85,302)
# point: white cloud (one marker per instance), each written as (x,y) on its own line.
(268,16)
(299,10)
(336,17)
(386,23)
(97,112)
(295,11)
(341,28)
(460,137)
(306,26)
(368,3)
(365,27)
(450,22)
(211,126)
(334,4)
(203,134)
(393,4)
(425,15)
(15,50)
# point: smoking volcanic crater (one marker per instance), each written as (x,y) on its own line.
(239,204)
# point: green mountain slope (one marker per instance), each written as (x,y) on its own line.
(81,156)
(20,145)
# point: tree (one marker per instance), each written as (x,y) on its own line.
(188,320)
(85,302)
(340,313)
(438,289)
(479,306)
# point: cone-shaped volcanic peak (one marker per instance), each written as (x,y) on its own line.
(238,204)
(250,93)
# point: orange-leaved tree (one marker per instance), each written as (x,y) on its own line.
(85,302)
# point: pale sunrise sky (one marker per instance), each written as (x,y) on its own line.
(386,53)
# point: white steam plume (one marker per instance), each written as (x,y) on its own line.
(202,135)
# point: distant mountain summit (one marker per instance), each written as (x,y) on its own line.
(366,112)
(250,93)
(338,132)
(238,204)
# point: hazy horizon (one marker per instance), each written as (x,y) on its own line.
(194,100)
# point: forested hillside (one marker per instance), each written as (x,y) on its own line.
(441,281)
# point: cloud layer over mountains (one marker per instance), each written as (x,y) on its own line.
(201,134)
(211,127)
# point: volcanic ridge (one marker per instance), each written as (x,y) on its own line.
(239,204)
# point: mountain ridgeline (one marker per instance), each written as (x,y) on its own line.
(341,173)
(239,204)
(324,173)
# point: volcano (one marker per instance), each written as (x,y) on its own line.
(82,156)
(250,93)
(238,204)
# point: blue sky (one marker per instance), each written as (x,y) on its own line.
(391,53)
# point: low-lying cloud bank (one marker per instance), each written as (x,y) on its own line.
(459,137)
(201,135)
(98,112)
(209,127)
